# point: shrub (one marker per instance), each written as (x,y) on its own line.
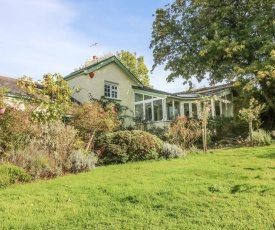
(184,132)
(171,151)
(92,119)
(159,132)
(261,137)
(123,146)
(80,162)
(52,152)
(15,129)
(10,174)
(221,127)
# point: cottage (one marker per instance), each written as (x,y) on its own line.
(109,78)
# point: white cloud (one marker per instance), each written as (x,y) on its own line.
(38,38)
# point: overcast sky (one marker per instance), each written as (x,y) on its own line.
(55,36)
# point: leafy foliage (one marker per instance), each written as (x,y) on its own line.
(136,66)
(124,146)
(227,39)
(51,97)
(221,127)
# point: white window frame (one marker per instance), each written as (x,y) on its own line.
(143,102)
(112,90)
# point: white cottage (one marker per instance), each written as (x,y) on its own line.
(110,79)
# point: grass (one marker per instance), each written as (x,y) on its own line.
(223,189)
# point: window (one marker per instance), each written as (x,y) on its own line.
(217,108)
(148,108)
(158,115)
(138,97)
(194,110)
(173,109)
(176,108)
(169,106)
(139,112)
(148,111)
(110,90)
(186,109)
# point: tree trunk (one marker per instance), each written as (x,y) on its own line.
(204,138)
(250,131)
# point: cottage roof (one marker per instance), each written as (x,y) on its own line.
(10,84)
(99,64)
(151,90)
(207,91)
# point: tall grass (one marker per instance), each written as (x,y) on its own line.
(225,189)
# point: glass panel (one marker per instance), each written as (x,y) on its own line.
(176,108)
(194,110)
(107,91)
(169,106)
(138,97)
(148,111)
(146,97)
(158,114)
(217,108)
(186,109)
(139,111)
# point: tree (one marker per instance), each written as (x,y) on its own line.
(51,97)
(136,66)
(227,39)
(251,114)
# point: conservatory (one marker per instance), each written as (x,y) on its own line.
(161,108)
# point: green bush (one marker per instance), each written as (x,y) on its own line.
(10,174)
(171,151)
(159,132)
(124,146)
(221,127)
(261,137)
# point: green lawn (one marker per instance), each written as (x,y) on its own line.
(223,189)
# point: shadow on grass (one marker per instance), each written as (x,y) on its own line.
(253,168)
(267,156)
(241,188)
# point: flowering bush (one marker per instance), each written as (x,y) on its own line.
(184,132)
(91,120)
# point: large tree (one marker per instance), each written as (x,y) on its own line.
(221,39)
(136,65)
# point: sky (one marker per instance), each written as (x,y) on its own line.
(56,36)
